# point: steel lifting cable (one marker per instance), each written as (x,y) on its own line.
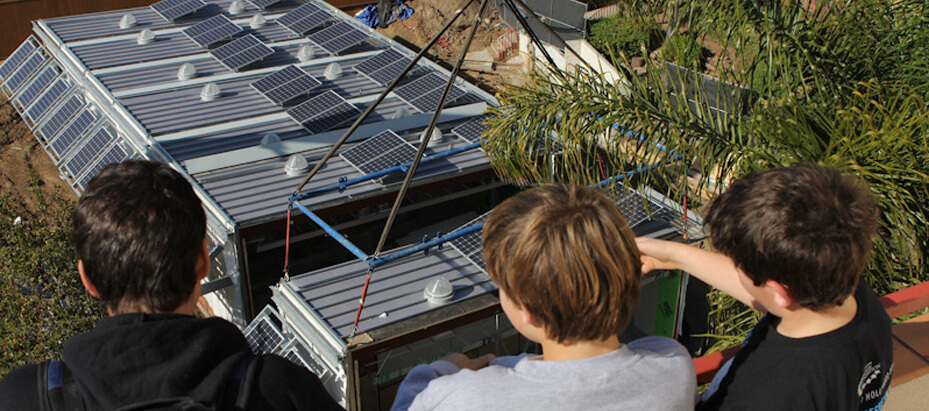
(419,154)
(356,124)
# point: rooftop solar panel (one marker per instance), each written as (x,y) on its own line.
(212,30)
(47,100)
(37,86)
(72,133)
(383,68)
(171,10)
(285,85)
(323,112)
(83,157)
(634,207)
(424,93)
(338,37)
(115,154)
(241,52)
(263,336)
(25,71)
(382,151)
(18,57)
(470,130)
(64,113)
(469,245)
(263,4)
(304,18)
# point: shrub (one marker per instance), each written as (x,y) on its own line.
(618,34)
(684,50)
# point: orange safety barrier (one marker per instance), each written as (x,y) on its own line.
(897,304)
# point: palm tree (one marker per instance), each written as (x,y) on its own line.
(840,85)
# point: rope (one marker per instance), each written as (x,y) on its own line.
(287,246)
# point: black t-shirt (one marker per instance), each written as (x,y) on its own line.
(846,369)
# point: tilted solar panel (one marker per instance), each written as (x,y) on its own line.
(470,130)
(634,207)
(37,86)
(241,52)
(18,57)
(47,100)
(263,4)
(94,145)
(61,117)
(304,18)
(323,112)
(263,336)
(212,30)
(285,85)
(25,71)
(469,245)
(115,154)
(72,133)
(424,93)
(379,152)
(171,10)
(338,37)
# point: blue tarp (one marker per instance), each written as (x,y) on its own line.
(399,11)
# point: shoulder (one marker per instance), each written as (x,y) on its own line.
(663,351)
(19,389)
(463,387)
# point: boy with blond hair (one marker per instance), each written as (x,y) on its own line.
(569,275)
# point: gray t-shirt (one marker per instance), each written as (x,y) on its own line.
(652,373)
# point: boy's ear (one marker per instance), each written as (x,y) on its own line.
(203,261)
(86,281)
(783,297)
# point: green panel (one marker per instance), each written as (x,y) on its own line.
(669,288)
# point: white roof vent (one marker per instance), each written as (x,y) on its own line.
(127,21)
(236,7)
(333,71)
(437,135)
(296,165)
(210,92)
(438,291)
(258,21)
(306,52)
(270,139)
(146,36)
(187,71)
(402,112)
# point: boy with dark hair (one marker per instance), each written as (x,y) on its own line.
(139,230)
(569,275)
(794,242)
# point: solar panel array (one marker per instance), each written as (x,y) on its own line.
(241,52)
(304,18)
(383,68)
(263,336)
(382,151)
(25,71)
(171,10)
(425,92)
(115,154)
(263,4)
(634,207)
(469,245)
(338,37)
(285,85)
(94,145)
(470,130)
(72,133)
(212,30)
(323,112)
(47,100)
(18,57)
(64,113)
(37,86)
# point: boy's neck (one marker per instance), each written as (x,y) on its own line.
(804,322)
(577,350)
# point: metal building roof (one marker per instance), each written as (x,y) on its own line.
(132,88)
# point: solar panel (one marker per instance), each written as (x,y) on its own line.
(212,30)
(382,151)
(263,4)
(25,71)
(470,130)
(469,245)
(37,86)
(171,10)
(241,52)
(72,133)
(47,100)
(285,85)
(323,112)
(338,37)
(18,57)
(264,336)
(61,117)
(115,154)
(383,68)
(635,208)
(94,145)
(304,18)
(424,93)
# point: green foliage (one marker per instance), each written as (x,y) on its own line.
(684,50)
(42,301)
(627,35)
(842,86)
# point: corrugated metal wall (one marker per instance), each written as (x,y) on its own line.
(16,16)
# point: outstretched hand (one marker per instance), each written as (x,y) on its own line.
(462,361)
(655,254)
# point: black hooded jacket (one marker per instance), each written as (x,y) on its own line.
(133,358)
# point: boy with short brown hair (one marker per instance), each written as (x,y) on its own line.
(568,269)
(793,242)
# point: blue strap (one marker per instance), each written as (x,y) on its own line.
(54,375)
